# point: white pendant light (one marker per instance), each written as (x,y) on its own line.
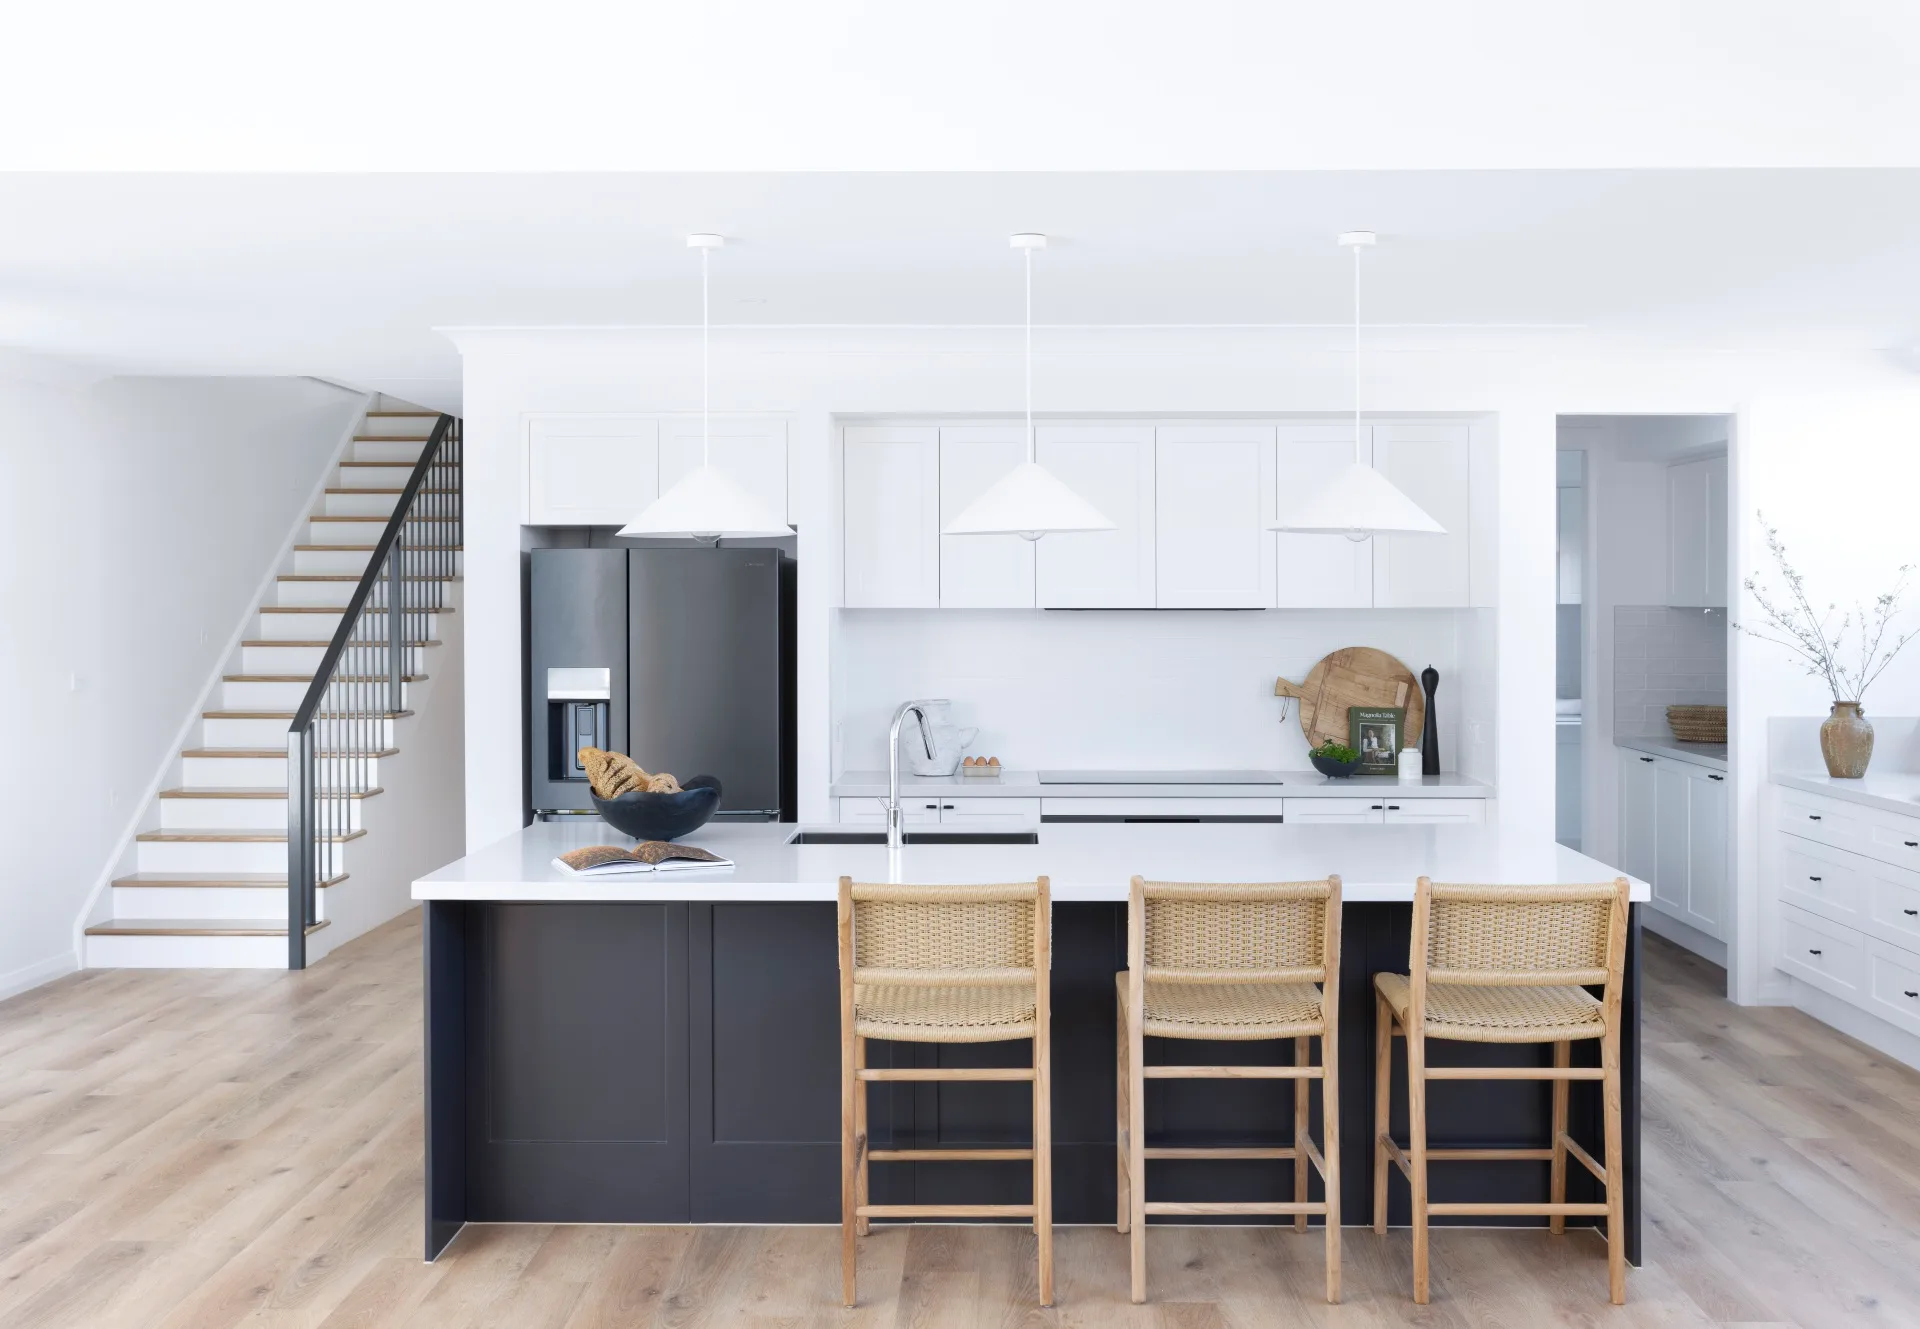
(1357,501)
(706,504)
(1029,501)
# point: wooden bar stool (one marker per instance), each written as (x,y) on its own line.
(943,964)
(1506,964)
(1231,963)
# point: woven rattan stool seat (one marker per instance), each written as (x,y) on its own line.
(912,1013)
(1500,1014)
(1234,1011)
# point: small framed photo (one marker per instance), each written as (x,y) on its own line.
(1374,732)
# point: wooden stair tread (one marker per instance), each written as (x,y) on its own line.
(369,489)
(337,609)
(383,520)
(236,835)
(251,880)
(414,462)
(271,642)
(288,715)
(367,549)
(308,678)
(355,576)
(250,791)
(403,415)
(270,753)
(196,927)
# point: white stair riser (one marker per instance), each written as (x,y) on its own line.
(219,733)
(204,902)
(216,857)
(261,772)
(261,814)
(306,659)
(394,426)
(335,561)
(321,627)
(383,451)
(372,477)
(287,696)
(337,593)
(370,504)
(187,952)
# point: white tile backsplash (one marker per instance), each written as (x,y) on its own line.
(1122,690)
(1665,657)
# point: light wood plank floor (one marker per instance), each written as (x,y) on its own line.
(199,1150)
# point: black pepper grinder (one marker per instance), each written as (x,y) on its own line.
(1430,732)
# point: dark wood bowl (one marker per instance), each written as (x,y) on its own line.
(662,816)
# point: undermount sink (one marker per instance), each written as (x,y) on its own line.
(916,837)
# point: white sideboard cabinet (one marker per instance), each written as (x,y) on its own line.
(1674,832)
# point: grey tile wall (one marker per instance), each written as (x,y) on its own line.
(1665,657)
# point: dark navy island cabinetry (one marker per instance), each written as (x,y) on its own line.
(676,1060)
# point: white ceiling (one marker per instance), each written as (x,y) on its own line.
(348,276)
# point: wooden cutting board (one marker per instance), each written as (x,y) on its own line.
(1354,676)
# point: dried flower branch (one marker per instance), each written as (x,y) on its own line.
(1816,638)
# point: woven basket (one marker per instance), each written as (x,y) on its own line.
(1698,724)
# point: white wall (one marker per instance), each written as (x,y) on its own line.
(137,519)
(1142,691)
(1832,415)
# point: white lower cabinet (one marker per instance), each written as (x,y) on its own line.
(1673,835)
(1849,902)
(1436,812)
(1386,811)
(917,811)
(965,813)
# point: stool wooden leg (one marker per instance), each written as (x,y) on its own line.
(1382,1107)
(1043,1152)
(1562,1059)
(1301,1056)
(1137,1162)
(1330,1150)
(863,1145)
(1122,1084)
(1616,1216)
(850,1147)
(1417,1138)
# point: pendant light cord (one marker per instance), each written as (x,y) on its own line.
(1356,352)
(706,365)
(1027,254)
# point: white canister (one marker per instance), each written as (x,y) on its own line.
(1410,763)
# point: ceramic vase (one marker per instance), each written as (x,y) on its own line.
(1846,741)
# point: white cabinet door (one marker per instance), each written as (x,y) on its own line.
(1639,801)
(1707,893)
(891,500)
(1671,852)
(873,811)
(1111,466)
(1336,811)
(990,814)
(981,571)
(753,453)
(1572,523)
(1436,811)
(1714,589)
(1318,571)
(1433,466)
(1687,535)
(1213,496)
(591,470)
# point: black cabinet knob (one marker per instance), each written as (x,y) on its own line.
(1911,994)
(1813,879)
(1813,816)
(1911,844)
(1812,952)
(1911,913)
(1648,760)
(1716,777)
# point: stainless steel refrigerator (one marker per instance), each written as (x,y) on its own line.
(699,676)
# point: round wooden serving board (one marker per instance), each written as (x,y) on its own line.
(1355,676)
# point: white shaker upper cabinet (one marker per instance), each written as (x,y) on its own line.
(1213,495)
(1319,571)
(981,571)
(891,499)
(750,452)
(1111,466)
(1697,533)
(1433,466)
(591,470)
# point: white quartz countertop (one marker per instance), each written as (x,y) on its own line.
(1712,755)
(1287,784)
(1889,791)
(1082,862)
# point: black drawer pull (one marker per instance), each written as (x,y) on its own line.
(1812,952)
(1716,777)
(1911,913)
(1911,844)
(1375,808)
(1911,994)
(1393,807)
(1813,879)
(1813,816)
(1648,760)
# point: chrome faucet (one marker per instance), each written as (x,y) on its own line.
(895,837)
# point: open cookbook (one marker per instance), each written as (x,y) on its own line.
(606,860)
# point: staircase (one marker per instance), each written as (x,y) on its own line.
(205,884)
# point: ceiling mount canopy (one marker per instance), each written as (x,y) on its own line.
(1356,501)
(706,505)
(1029,501)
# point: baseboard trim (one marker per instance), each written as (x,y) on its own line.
(1684,934)
(33,975)
(1856,1023)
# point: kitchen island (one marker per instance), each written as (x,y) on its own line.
(665,1047)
